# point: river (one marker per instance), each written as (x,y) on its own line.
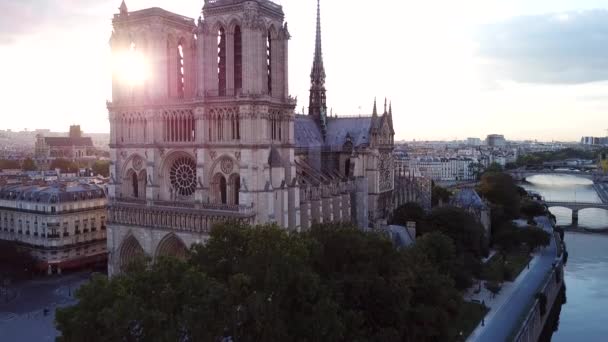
(584,316)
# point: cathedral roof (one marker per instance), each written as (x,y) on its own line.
(353,129)
(340,130)
(307,132)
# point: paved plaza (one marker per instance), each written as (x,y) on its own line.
(22,319)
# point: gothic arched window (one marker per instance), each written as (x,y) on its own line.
(223,189)
(238,59)
(269,61)
(180,70)
(221,61)
(135,184)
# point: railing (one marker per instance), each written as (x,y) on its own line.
(230,208)
(190,217)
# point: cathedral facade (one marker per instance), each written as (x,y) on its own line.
(210,134)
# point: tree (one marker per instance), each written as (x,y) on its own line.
(29,165)
(440,195)
(168,302)
(532,209)
(507,239)
(500,189)
(493,287)
(9,164)
(440,251)
(409,212)
(494,167)
(15,262)
(64,165)
(101,168)
(332,283)
(464,229)
(534,237)
(476,169)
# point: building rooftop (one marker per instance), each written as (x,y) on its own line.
(56,192)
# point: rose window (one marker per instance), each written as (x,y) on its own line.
(183,176)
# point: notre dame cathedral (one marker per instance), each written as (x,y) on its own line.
(210,134)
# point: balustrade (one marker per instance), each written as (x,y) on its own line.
(190,217)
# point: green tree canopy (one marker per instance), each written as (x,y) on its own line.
(29,165)
(494,167)
(102,168)
(409,212)
(66,166)
(534,237)
(532,209)
(466,232)
(333,283)
(9,164)
(500,189)
(440,194)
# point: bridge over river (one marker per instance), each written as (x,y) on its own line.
(522,174)
(575,207)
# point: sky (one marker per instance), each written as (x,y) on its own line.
(528,69)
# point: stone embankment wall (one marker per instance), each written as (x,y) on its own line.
(534,322)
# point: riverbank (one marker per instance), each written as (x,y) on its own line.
(517,298)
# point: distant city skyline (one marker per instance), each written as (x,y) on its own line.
(526,70)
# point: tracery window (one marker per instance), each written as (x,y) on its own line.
(221,61)
(180,126)
(238,59)
(269,61)
(180,70)
(183,176)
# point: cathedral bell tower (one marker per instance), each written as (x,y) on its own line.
(243,45)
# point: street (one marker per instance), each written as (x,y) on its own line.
(23,319)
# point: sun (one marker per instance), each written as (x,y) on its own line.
(130,66)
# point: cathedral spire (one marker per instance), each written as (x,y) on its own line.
(317,101)
(123,7)
(375,111)
(385,106)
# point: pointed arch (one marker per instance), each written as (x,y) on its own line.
(238,59)
(130,251)
(234,186)
(181,67)
(219,186)
(221,60)
(269,57)
(171,246)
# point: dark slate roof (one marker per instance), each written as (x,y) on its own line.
(67,141)
(357,128)
(51,193)
(307,132)
(468,198)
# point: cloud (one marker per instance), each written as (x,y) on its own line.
(564,48)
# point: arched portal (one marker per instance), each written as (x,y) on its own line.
(234,186)
(141,184)
(219,189)
(171,246)
(130,251)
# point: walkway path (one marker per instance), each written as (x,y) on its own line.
(511,304)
